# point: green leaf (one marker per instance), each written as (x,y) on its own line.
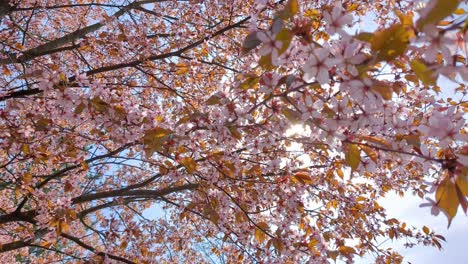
(391,42)
(250,82)
(365,36)
(293,116)
(285,36)
(291,8)
(425,74)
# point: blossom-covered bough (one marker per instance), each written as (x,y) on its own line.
(160,131)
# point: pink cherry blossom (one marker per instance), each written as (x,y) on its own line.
(336,20)
(318,65)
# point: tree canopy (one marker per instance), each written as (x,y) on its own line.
(240,131)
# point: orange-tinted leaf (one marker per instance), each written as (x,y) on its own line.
(383,88)
(346,250)
(189,164)
(462,184)
(446,198)
(369,152)
(302,177)
(375,140)
(260,235)
(213,100)
(99,105)
(426,230)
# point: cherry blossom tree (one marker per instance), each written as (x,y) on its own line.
(253,131)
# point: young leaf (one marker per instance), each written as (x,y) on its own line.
(353,156)
(447,199)
(436,10)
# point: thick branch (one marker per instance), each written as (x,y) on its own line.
(29,216)
(46,48)
(5,8)
(90,248)
(19,216)
(13,245)
(23,93)
(132,193)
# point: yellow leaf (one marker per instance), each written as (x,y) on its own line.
(447,199)
(25,149)
(459,11)
(143,250)
(462,184)
(412,139)
(311,13)
(250,42)
(291,8)
(27,177)
(277,244)
(123,245)
(439,9)
(213,100)
(365,36)
(189,164)
(412,78)
(6,71)
(63,227)
(353,156)
(260,235)
(332,254)
(405,19)
(182,68)
(157,132)
(312,243)
(79,109)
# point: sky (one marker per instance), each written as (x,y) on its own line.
(407,209)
